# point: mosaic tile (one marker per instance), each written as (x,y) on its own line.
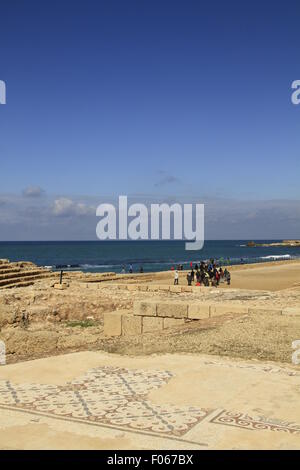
(243,420)
(110,396)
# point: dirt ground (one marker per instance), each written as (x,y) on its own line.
(45,322)
(247,337)
(260,337)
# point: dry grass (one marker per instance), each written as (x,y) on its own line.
(261,337)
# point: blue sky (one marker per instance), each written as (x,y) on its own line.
(174,98)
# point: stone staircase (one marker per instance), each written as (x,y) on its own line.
(21,274)
(25,273)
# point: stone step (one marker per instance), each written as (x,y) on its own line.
(13,263)
(9,269)
(18,265)
(100,279)
(21,279)
(24,264)
(23,273)
(17,284)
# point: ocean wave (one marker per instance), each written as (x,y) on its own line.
(160,264)
(91,266)
(276,257)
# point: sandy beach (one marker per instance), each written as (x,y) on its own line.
(272,276)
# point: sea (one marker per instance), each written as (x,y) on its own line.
(106,256)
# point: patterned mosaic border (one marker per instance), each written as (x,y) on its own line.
(242,420)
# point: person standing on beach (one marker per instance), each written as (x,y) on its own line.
(189,279)
(206,279)
(176,277)
(217,277)
(130,268)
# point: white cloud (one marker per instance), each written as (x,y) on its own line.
(72,217)
(64,207)
(33,191)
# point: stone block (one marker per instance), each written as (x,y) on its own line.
(175,289)
(173,322)
(151,324)
(143,288)
(112,324)
(175,310)
(263,311)
(198,311)
(145,308)
(222,309)
(164,288)
(153,288)
(131,325)
(187,289)
(291,311)
(62,286)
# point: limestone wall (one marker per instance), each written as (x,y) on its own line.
(152,315)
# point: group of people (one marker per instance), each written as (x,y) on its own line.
(130,269)
(206,274)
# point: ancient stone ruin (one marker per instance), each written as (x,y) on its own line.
(21,273)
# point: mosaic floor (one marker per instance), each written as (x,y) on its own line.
(106,396)
(118,398)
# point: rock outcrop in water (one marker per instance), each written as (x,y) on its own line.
(287,243)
